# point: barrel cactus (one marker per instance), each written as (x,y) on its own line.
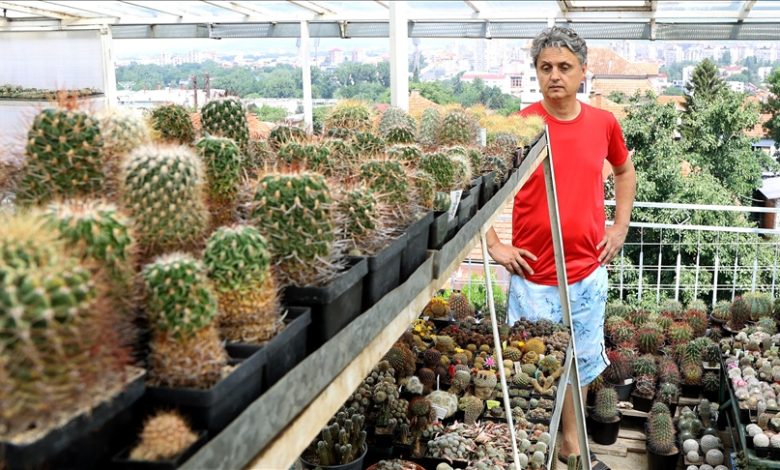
(472,408)
(649,338)
(389,180)
(122,131)
(63,157)
(361,220)
(408,154)
(425,189)
(59,350)
(223,162)
(759,303)
(660,438)
(311,156)
(295,214)
(353,115)
(368,145)
(396,126)
(457,128)
(162,190)
(239,266)
(172,124)
(283,134)
(605,410)
(740,313)
(185,349)
(442,168)
(429,127)
(164,436)
(226,117)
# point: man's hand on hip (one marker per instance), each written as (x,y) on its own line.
(610,245)
(512,258)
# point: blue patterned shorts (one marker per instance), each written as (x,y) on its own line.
(588,299)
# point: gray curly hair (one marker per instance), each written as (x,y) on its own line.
(558,36)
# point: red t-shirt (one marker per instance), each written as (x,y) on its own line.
(579,148)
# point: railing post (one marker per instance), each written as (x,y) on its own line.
(774,267)
(755,271)
(715,273)
(660,256)
(622,268)
(698,257)
(641,264)
(677,270)
(734,279)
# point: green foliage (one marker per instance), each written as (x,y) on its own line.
(63,157)
(271,113)
(179,299)
(705,85)
(172,123)
(772,106)
(236,258)
(476,291)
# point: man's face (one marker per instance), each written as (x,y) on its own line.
(559,73)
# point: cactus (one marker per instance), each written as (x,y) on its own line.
(502,144)
(162,190)
(164,436)
(442,168)
(425,189)
(549,364)
(617,309)
(484,383)
(722,310)
(697,305)
(280,135)
(697,319)
(472,408)
(59,349)
(638,317)
(238,264)
(536,345)
(226,117)
(368,145)
(622,332)
(223,161)
(361,220)
(185,348)
(339,133)
(672,308)
(294,213)
(494,163)
(512,353)
(660,438)
(342,440)
(740,313)
(408,154)
(605,410)
(645,386)
(420,413)
(429,127)
(122,131)
(437,307)
(645,365)
(668,371)
(759,304)
(63,157)
(460,306)
(352,115)
(172,124)
(710,382)
(463,171)
(428,378)
(668,393)
(431,357)
(457,128)
(396,126)
(691,373)
(619,368)
(391,184)
(401,359)
(680,333)
(649,338)
(314,157)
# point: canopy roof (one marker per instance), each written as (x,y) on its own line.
(593,19)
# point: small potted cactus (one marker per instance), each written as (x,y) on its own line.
(662,453)
(740,315)
(642,396)
(605,417)
(618,374)
(165,442)
(341,445)
(721,312)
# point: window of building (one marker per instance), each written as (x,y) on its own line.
(517,82)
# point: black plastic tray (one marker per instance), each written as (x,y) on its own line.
(384,272)
(467,207)
(416,246)
(488,188)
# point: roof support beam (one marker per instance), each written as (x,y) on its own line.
(249,10)
(471,5)
(745,11)
(39,11)
(225,6)
(90,9)
(384,4)
(155,7)
(311,6)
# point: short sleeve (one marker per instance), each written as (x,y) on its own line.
(617,152)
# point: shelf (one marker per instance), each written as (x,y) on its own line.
(275,429)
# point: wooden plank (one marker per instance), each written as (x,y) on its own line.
(618,449)
(631,435)
(633,413)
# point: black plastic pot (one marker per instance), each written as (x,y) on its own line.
(213,408)
(641,403)
(690,391)
(624,390)
(441,230)
(661,462)
(384,272)
(333,305)
(282,352)
(121,461)
(467,207)
(604,433)
(354,465)
(376,453)
(488,189)
(82,442)
(416,246)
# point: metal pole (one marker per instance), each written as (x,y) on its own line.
(399,56)
(563,289)
(660,256)
(641,264)
(698,256)
(308,109)
(497,345)
(109,72)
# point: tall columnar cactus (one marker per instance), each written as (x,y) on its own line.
(740,313)
(294,213)
(164,436)
(63,157)
(283,134)
(457,128)
(239,265)
(660,439)
(697,319)
(162,190)
(341,441)
(226,117)
(185,350)
(605,410)
(172,124)
(668,371)
(472,408)
(680,333)
(760,304)
(397,127)
(122,131)
(429,127)
(223,162)
(361,220)
(721,310)
(352,115)
(59,350)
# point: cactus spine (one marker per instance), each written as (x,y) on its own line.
(397,127)
(660,439)
(185,348)
(172,124)
(457,128)
(606,406)
(223,161)
(63,157)
(238,264)
(352,115)
(122,131)
(429,127)
(164,436)
(226,117)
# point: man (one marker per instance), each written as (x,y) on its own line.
(581,137)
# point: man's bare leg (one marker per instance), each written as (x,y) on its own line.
(570,443)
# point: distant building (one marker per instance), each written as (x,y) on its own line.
(731,70)
(687,73)
(768,195)
(764,72)
(500,80)
(737,86)
(336,56)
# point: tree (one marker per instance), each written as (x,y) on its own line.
(772,106)
(725,58)
(270,113)
(618,97)
(673,91)
(705,83)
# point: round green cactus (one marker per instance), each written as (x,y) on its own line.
(339,133)
(63,157)
(442,168)
(360,211)
(497,164)
(429,127)
(425,189)
(162,190)
(605,410)
(396,126)
(122,131)
(282,134)
(740,313)
(294,212)
(226,117)
(173,124)
(352,115)
(409,154)
(388,179)
(649,338)
(179,297)
(314,157)
(457,128)
(368,145)
(760,304)
(223,161)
